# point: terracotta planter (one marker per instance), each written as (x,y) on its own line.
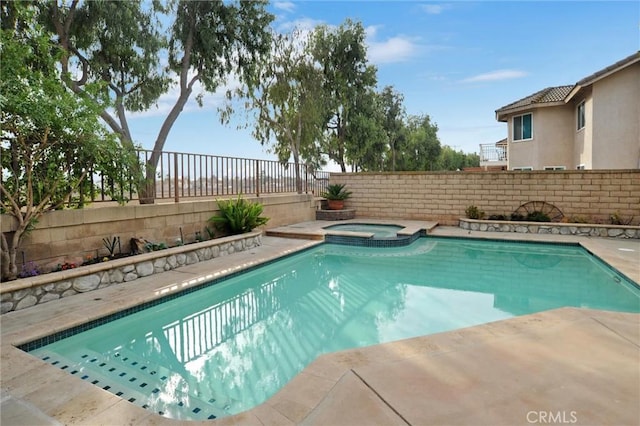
(335,204)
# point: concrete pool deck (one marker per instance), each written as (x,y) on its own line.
(563,366)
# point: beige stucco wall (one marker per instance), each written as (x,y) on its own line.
(616,120)
(444,196)
(552,142)
(71,235)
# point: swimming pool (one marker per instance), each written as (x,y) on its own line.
(228,347)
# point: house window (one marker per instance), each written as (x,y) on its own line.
(580,116)
(554,167)
(522,127)
(522,169)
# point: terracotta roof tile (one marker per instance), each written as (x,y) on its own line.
(550,94)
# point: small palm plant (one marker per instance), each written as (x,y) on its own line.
(238,216)
(335,195)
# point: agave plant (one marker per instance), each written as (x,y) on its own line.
(238,216)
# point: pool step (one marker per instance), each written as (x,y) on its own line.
(154,389)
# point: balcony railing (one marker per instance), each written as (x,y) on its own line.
(493,153)
(181,175)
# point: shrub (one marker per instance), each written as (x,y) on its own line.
(473,212)
(617,219)
(497,217)
(517,217)
(538,216)
(238,216)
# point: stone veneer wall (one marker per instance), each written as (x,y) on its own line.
(444,196)
(587,230)
(23,293)
(72,235)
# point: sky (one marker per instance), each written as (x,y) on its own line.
(457,61)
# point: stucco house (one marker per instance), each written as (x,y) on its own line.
(592,124)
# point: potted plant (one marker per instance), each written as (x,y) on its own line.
(335,195)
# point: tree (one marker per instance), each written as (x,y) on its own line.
(393,124)
(207,42)
(285,101)
(451,159)
(342,56)
(421,148)
(51,140)
(367,138)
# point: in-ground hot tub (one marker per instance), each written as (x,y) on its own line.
(370,234)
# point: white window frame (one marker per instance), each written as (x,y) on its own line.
(523,169)
(555,168)
(581,118)
(513,124)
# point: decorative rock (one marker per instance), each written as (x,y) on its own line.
(191,258)
(181,258)
(631,233)
(614,232)
(29,300)
(6,307)
(86,283)
(207,253)
(144,269)
(231,249)
(238,245)
(70,292)
(49,297)
(128,268)
(172,262)
(215,251)
(116,276)
(7,297)
(159,265)
(522,229)
(104,278)
(130,277)
(49,287)
(63,286)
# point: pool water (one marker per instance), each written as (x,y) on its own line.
(378,231)
(228,347)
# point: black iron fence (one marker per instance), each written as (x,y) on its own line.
(181,175)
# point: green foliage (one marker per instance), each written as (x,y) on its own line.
(474,212)
(52,140)
(347,77)
(336,191)
(238,216)
(204,43)
(617,219)
(538,216)
(151,246)
(110,244)
(285,102)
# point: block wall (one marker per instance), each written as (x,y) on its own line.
(72,235)
(444,196)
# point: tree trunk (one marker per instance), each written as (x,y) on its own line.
(8,258)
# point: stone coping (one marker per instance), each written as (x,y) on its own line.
(558,228)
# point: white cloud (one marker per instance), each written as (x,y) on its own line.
(394,49)
(434,9)
(304,24)
(496,76)
(287,6)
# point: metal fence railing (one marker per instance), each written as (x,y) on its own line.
(181,175)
